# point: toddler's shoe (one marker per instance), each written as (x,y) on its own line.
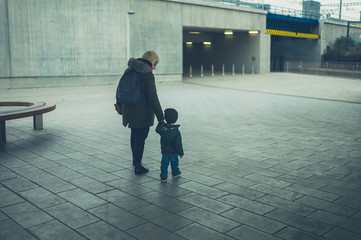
(177,174)
(163,178)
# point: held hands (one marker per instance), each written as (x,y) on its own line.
(180,156)
(118,109)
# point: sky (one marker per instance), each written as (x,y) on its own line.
(350,12)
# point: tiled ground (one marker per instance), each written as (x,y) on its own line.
(257,166)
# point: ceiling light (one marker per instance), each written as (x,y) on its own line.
(228,32)
(253,32)
(189,43)
(194,33)
(207,43)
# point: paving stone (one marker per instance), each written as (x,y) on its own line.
(41,162)
(167,189)
(208,181)
(327,206)
(105,166)
(104,231)
(203,189)
(64,173)
(150,231)
(357,216)
(49,154)
(234,160)
(166,202)
(268,180)
(90,185)
(117,217)
(239,191)
(297,234)
(338,233)
(130,176)
(41,197)
(98,174)
(299,222)
(315,181)
(129,187)
(12,162)
(298,173)
(7,175)
(342,191)
(196,231)
(246,204)
(53,183)
(3,216)
(336,220)
(208,204)
(74,164)
(23,154)
(289,195)
(11,230)
(313,192)
(82,199)
(245,232)
(160,217)
(55,230)
(71,215)
(31,172)
(9,198)
(254,220)
(208,219)
(234,179)
(123,200)
(26,214)
(287,205)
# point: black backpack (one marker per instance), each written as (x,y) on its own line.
(128,90)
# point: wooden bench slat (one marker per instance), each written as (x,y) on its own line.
(31,109)
(35,109)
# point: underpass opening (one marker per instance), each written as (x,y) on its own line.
(211,52)
(286,50)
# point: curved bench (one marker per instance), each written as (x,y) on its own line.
(14,110)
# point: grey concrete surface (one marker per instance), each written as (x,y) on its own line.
(82,41)
(258,164)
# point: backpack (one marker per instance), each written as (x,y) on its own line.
(128,90)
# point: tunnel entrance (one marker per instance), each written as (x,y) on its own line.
(212,52)
(288,52)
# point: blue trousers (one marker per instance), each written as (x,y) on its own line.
(174,163)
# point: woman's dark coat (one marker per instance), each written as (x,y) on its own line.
(142,114)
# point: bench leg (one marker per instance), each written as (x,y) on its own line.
(38,122)
(2,132)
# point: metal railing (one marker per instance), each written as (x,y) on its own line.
(345,69)
(211,70)
(292,12)
(270,8)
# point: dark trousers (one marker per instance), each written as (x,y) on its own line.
(137,141)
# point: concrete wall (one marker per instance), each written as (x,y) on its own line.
(4,41)
(57,43)
(51,40)
(330,31)
(157,25)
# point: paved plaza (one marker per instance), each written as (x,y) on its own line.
(273,156)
